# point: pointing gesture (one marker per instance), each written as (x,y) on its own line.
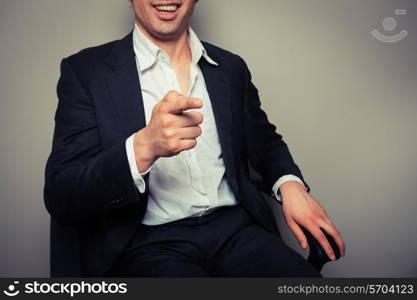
(172,129)
(176,103)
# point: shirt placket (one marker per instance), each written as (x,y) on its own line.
(191,157)
(188,156)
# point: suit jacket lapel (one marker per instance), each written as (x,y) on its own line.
(218,87)
(125,86)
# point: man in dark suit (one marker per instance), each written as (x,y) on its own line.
(149,170)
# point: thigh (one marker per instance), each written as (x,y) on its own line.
(256,252)
(161,251)
(155,261)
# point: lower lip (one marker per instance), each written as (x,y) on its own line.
(167,16)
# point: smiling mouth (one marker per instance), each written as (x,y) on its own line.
(167,8)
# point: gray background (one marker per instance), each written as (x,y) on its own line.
(345,103)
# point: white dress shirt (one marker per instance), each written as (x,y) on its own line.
(193,182)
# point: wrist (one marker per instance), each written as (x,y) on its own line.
(143,150)
(290,187)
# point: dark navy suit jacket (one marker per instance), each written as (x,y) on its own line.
(89,192)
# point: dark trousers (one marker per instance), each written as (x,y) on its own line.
(226,243)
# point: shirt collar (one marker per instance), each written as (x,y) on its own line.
(147,52)
(197,48)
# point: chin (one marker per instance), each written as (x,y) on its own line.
(168,32)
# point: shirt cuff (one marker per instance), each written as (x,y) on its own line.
(136,175)
(281,180)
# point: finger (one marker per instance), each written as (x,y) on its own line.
(189,119)
(187,144)
(186,119)
(172,96)
(335,234)
(321,238)
(184,103)
(189,132)
(298,233)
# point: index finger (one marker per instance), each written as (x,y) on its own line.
(184,103)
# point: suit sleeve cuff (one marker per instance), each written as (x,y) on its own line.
(281,180)
(136,175)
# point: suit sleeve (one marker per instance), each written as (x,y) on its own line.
(83,180)
(267,152)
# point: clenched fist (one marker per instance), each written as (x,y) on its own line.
(170,130)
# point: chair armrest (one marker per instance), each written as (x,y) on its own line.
(318,256)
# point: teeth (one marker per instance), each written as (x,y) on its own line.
(167,8)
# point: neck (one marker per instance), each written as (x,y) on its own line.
(177,48)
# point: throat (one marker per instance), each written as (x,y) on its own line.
(183,77)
